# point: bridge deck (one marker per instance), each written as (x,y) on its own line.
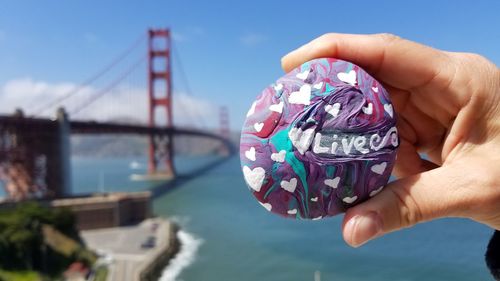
(93,127)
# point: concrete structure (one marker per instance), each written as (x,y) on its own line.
(108,210)
(100,210)
(130,261)
(64,175)
(34,156)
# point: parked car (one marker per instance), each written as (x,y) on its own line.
(149,243)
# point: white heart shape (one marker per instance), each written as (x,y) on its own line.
(266,205)
(252,109)
(303,96)
(379,168)
(301,139)
(318,86)
(277,107)
(289,185)
(376,191)
(250,154)
(278,87)
(333,110)
(333,183)
(369,109)
(279,157)
(388,108)
(350,200)
(258,126)
(349,78)
(375,89)
(292,211)
(255,177)
(317,218)
(303,75)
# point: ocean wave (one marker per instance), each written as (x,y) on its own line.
(185,257)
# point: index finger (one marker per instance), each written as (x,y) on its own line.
(401,63)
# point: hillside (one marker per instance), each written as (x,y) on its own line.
(38,243)
(124,145)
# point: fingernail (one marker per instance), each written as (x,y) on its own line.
(362,228)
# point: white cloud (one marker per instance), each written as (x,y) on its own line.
(122,103)
(252,39)
(188,33)
(190,109)
(27,93)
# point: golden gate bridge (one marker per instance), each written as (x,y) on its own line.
(35,151)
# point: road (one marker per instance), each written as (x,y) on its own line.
(123,244)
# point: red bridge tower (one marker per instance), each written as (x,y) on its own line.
(224,122)
(160,97)
(224,130)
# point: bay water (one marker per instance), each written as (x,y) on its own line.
(227,235)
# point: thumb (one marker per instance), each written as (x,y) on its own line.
(402,203)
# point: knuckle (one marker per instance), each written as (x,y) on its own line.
(480,78)
(478,62)
(388,37)
(409,210)
(473,57)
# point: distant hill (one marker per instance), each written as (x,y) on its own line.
(124,145)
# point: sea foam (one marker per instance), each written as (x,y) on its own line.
(185,257)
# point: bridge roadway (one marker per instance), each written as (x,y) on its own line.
(46,126)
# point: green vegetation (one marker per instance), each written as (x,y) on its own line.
(36,241)
(101,273)
(19,276)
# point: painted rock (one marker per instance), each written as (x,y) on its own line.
(321,139)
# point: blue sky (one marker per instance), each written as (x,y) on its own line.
(230,50)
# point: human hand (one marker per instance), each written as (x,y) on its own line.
(448,107)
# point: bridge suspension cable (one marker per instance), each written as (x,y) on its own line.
(109,87)
(91,79)
(193,116)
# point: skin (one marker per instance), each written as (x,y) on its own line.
(448,107)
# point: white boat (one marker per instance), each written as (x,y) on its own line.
(134,165)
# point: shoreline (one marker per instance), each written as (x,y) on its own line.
(158,263)
(185,257)
(124,248)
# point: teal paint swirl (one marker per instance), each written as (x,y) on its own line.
(281,142)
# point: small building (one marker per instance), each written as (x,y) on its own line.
(108,210)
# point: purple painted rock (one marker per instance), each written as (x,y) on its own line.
(321,139)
